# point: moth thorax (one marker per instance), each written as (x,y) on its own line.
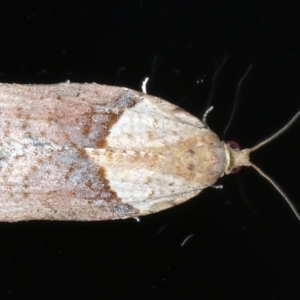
(205,159)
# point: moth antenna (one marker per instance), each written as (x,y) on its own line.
(276,186)
(278,133)
(238,158)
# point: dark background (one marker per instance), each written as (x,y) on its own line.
(245,241)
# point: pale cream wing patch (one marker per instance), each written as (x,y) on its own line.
(139,159)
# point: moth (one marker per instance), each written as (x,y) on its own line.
(75,151)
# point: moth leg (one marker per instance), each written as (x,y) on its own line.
(206,114)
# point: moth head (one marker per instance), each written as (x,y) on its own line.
(236,158)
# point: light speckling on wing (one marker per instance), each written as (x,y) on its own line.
(158,156)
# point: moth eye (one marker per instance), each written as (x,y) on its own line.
(233,145)
(235,170)
(236,146)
